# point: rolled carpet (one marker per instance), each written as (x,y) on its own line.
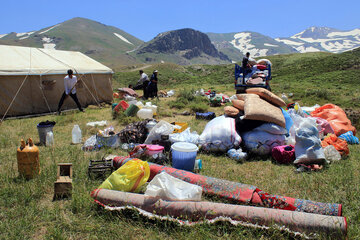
(188,213)
(242,193)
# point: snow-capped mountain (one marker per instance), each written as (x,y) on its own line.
(235,45)
(317,39)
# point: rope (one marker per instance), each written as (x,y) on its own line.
(97,95)
(44,94)
(12,101)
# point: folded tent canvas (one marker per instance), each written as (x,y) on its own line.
(31,80)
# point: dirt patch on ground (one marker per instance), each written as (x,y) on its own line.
(354,116)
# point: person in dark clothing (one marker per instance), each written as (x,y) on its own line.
(69,84)
(245,63)
(152,88)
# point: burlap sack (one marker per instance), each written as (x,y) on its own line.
(231,111)
(242,96)
(239,104)
(267,95)
(256,108)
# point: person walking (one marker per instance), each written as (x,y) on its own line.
(69,84)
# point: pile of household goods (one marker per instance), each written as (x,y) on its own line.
(308,137)
(258,74)
(215,99)
(170,194)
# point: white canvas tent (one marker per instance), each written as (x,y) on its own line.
(31,80)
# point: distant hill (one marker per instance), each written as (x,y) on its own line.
(183,46)
(104,43)
(317,39)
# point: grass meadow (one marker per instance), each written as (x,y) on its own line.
(27,209)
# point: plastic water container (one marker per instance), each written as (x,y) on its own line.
(43,130)
(145,113)
(183,155)
(76,134)
(49,139)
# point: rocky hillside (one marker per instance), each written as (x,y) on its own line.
(183,46)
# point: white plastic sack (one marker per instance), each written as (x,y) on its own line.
(310,109)
(170,93)
(308,148)
(220,135)
(97,124)
(263,139)
(185,136)
(170,188)
(331,154)
(161,128)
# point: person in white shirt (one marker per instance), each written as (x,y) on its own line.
(69,83)
(142,83)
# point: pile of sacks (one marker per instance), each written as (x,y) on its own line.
(308,139)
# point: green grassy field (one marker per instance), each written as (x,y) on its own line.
(28,212)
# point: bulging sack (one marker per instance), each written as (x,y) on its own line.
(169,188)
(128,178)
(220,135)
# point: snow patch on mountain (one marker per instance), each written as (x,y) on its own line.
(303,49)
(345,34)
(122,38)
(289,42)
(2,35)
(49,29)
(270,45)
(242,41)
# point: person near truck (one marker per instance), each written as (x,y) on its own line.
(245,64)
(69,84)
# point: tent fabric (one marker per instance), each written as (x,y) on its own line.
(32,80)
(16,60)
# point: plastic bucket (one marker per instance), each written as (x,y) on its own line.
(183,155)
(111,141)
(131,110)
(153,149)
(43,130)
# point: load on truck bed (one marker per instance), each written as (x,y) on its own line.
(259,76)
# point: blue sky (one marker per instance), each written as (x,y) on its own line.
(145,19)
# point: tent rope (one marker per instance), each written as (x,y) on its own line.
(12,101)
(44,95)
(76,74)
(97,95)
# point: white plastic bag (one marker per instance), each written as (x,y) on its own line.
(308,148)
(331,154)
(185,136)
(220,135)
(161,128)
(170,93)
(170,188)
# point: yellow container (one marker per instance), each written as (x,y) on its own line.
(182,125)
(28,159)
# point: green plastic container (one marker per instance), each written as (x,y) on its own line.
(131,110)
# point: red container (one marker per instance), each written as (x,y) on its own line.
(124,105)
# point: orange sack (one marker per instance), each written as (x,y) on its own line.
(340,145)
(336,117)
